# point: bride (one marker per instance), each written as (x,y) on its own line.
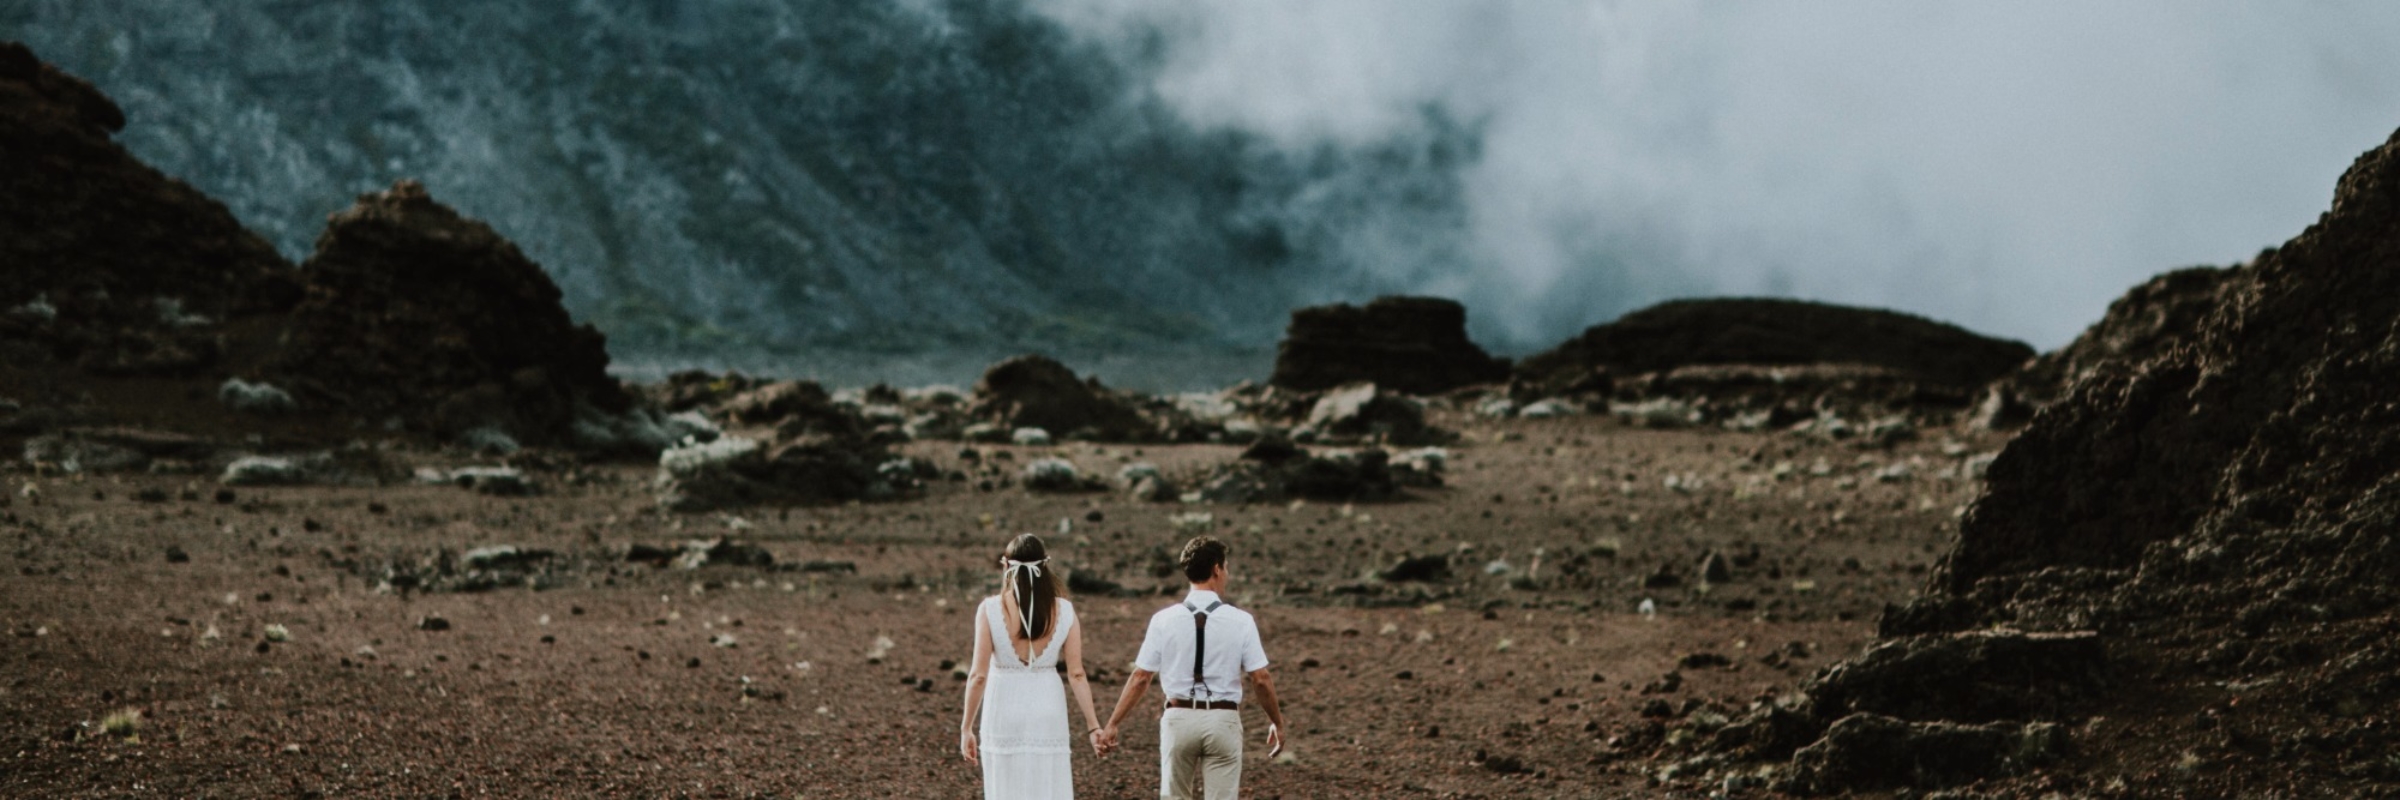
(1022,743)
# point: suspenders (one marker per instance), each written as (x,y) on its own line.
(1200,644)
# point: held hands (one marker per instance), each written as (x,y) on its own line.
(1104,741)
(970,748)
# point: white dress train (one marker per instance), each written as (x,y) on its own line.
(1024,728)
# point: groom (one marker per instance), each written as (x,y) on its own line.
(1199,651)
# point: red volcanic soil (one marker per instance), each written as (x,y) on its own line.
(607,677)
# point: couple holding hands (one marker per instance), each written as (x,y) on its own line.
(1199,651)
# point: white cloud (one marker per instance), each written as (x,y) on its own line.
(2008,166)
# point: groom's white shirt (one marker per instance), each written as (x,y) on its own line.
(1233,649)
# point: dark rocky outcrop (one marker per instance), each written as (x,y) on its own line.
(2215,497)
(416,312)
(104,262)
(1767,332)
(1416,345)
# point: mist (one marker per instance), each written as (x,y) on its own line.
(2010,167)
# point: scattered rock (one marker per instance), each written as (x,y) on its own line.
(1433,568)
(349,466)
(1052,475)
(504,557)
(502,481)
(773,403)
(690,390)
(1713,569)
(2001,409)
(1234,487)
(699,553)
(1273,450)
(1084,583)
(1664,577)
(1422,467)
(1361,475)
(1659,412)
(255,398)
(1154,489)
(116,449)
(432,623)
(263,471)
(806,468)
(1546,409)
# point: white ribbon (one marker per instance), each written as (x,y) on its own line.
(1009,576)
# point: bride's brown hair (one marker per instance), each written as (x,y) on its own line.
(1036,594)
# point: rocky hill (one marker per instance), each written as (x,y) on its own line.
(770,175)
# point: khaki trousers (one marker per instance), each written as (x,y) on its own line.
(1200,754)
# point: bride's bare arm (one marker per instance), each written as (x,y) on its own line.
(1073,655)
(978,668)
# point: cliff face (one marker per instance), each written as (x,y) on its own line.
(880,176)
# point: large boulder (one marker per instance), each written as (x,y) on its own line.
(104,262)
(415,312)
(1034,391)
(1769,332)
(1416,345)
(1364,412)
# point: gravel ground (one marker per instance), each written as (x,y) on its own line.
(831,675)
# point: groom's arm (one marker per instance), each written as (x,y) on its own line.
(1136,685)
(1262,683)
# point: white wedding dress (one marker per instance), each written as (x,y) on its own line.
(1024,728)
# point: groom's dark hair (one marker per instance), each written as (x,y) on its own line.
(1201,557)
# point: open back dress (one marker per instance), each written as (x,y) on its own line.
(1024,727)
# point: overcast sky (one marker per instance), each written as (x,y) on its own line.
(2011,167)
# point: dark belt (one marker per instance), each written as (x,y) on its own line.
(1206,705)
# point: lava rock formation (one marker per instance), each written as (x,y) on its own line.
(1416,345)
(417,312)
